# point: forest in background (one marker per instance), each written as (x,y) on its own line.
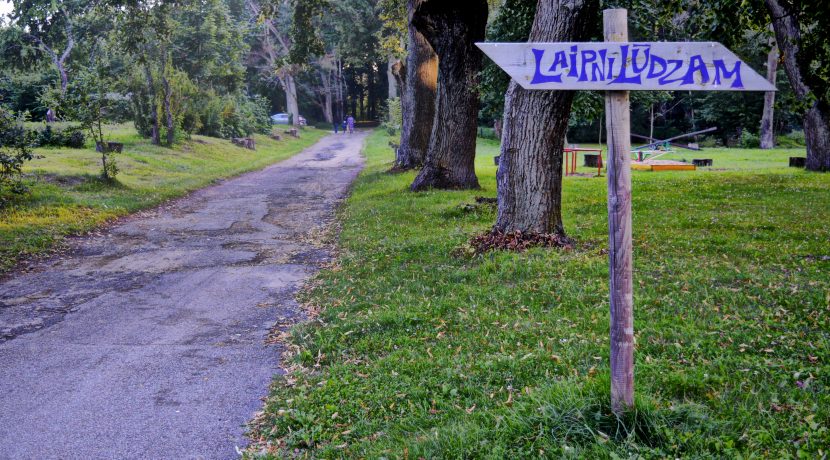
(223,66)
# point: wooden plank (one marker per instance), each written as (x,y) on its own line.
(688,66)
(618,124)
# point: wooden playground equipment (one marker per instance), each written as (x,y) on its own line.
(570,160)
(647,155)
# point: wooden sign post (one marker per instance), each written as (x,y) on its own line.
(617,66)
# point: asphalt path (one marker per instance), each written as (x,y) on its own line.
(148,339)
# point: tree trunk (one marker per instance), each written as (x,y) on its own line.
(325,78)
(290,87)
(168,95)
(453,28)
(767,132)
(390,76)
(154,110)
(418,98)
(529,177)
(817,117)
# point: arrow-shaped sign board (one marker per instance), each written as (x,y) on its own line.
(615,66)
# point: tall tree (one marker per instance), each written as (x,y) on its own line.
(53,28)
(806,62)
(535,123)
(418,97)
(452,28)
(767,130)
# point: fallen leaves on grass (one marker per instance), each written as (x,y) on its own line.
(518,241)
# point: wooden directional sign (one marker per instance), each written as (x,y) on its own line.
(610,66)
(618,66)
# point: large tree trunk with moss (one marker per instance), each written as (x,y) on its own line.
(535,124)
(417,98)
(767,132)
(816,118)
(453,28)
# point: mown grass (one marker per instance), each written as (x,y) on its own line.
(424,352)
(67,197)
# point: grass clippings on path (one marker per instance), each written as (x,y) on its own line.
(420,352)
(67,197)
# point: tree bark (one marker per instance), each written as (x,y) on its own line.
(767,131)
(816,118)
(325,78)
(418,98)
(453,28)
(390,76)
(168,96)
(290,87)
(151,90)
(529,177)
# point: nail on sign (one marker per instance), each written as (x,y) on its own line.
(668,66)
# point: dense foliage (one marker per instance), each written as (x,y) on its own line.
(15,150)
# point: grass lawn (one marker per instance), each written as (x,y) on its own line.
(68,198)
(425,351)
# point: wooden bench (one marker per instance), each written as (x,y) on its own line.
(798,162)
(702,162)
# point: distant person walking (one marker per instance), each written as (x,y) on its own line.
(350,124)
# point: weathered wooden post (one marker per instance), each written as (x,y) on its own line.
(618,66)
(618,122)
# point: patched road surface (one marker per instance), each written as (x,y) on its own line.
(148,341)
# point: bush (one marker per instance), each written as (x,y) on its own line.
(394,116)
(71,137)
(749,140)
(15,150)
(487,133)
(234,116)
(792,140)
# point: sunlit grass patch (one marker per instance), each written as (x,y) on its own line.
(422,352)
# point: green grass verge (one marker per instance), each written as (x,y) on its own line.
(67,196)
(420,353)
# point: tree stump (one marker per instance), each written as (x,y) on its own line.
(245,142)
(702,162)
(276,137)
(293,132)
(798,162)
(592,161)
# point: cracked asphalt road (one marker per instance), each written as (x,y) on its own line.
(148,341)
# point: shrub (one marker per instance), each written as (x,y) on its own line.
(15,150)
(792,140)
(749,140)
(234,116)
(485,132)
(71,137)
(394,116)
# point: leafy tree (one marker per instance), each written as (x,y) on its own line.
(15,151)
(86,101)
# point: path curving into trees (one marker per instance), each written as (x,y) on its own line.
(148,341)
